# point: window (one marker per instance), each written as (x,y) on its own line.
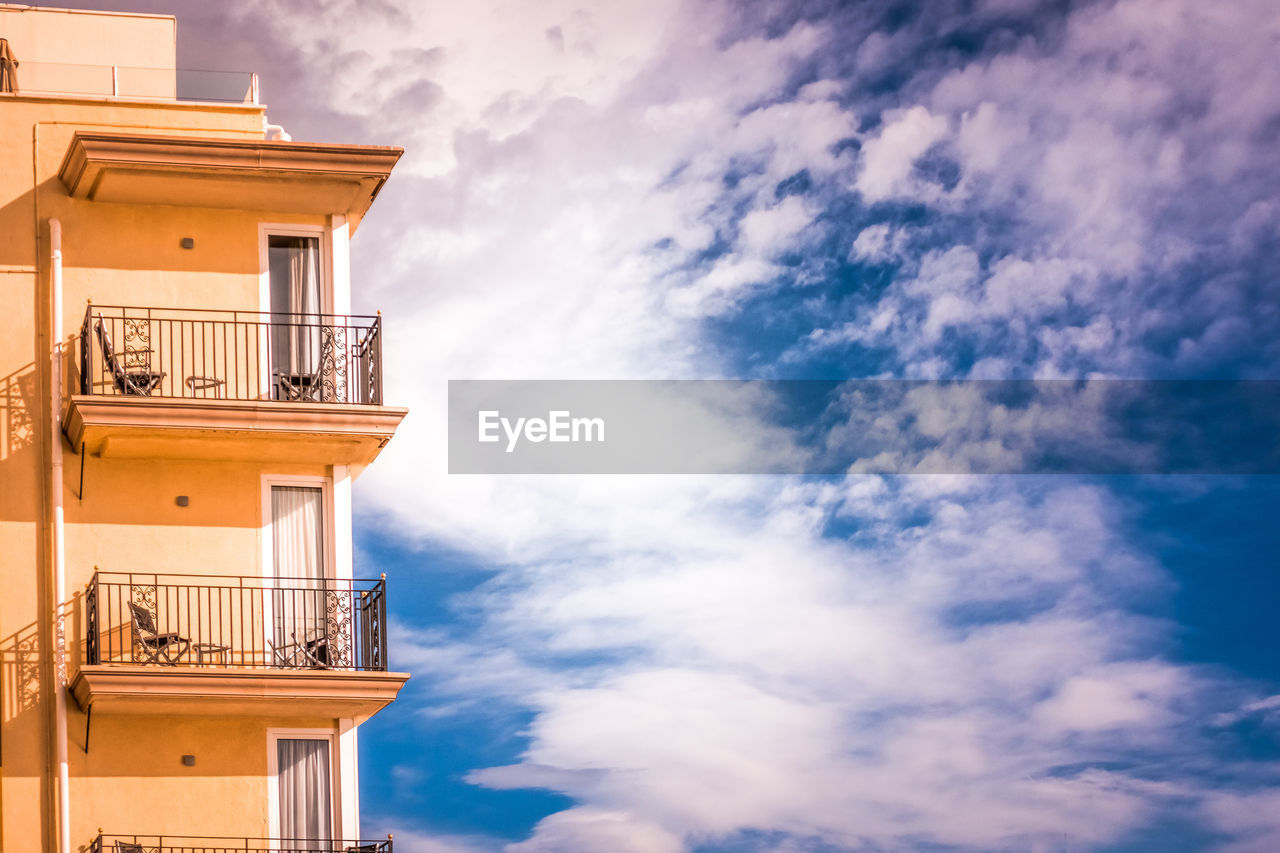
(297,340)
(299,568)
(303,791)
(296,296)
(298,542)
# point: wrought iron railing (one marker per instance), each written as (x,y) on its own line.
(231,355)
(206,620)
(195,844)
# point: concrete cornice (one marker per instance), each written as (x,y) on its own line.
(361,161)
(178,170)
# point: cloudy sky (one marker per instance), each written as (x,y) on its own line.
(669,189)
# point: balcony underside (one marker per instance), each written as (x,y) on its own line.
(229,430)
(284,177)
(175,690)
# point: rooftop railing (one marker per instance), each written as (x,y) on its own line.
(194,844)
(231,355)
(122,81)
(251,622)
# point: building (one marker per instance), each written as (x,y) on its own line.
(185,401)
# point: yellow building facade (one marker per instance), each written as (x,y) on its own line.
(185,400)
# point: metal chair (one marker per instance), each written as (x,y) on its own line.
(303,654)
(164,648)
(315,651)
(136,378)
(297,387)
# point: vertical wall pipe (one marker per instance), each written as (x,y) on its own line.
(59,552)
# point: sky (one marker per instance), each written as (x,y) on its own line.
(807,190)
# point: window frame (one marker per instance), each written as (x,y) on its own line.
(336,780)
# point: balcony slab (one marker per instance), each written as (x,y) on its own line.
(229,430)
(284,177)
(183,690)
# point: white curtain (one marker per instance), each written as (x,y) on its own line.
(296,305)
(297,539)
(306,808)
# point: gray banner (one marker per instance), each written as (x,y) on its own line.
(863,426)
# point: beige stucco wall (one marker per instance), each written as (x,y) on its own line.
(132,779)
(60,50)
(91,38)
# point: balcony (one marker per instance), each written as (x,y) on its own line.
(43,79)
(230,385)
(192,644)
(182,844)
(231,355)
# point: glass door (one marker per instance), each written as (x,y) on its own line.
(297,333)
(298,536)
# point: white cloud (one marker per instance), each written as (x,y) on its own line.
(597,829)
(416,842)
(1117,154)
(784,680)
(1032,289)
(1267,709)
(770,230)
(986,138)
(1135,696)
(888,159)
(1248,817)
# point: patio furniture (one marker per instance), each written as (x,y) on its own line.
(156,647)
(316,652)
(207,383)
(300,654)
(296,387)
(130,369)
(215,652)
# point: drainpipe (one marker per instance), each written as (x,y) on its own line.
(59,551)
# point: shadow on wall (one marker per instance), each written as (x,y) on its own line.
(17,223)
(20,447)
(22,661)
(17,407)
(23,413)
(20,656)
(21,678)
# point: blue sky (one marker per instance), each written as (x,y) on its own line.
(998,189)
